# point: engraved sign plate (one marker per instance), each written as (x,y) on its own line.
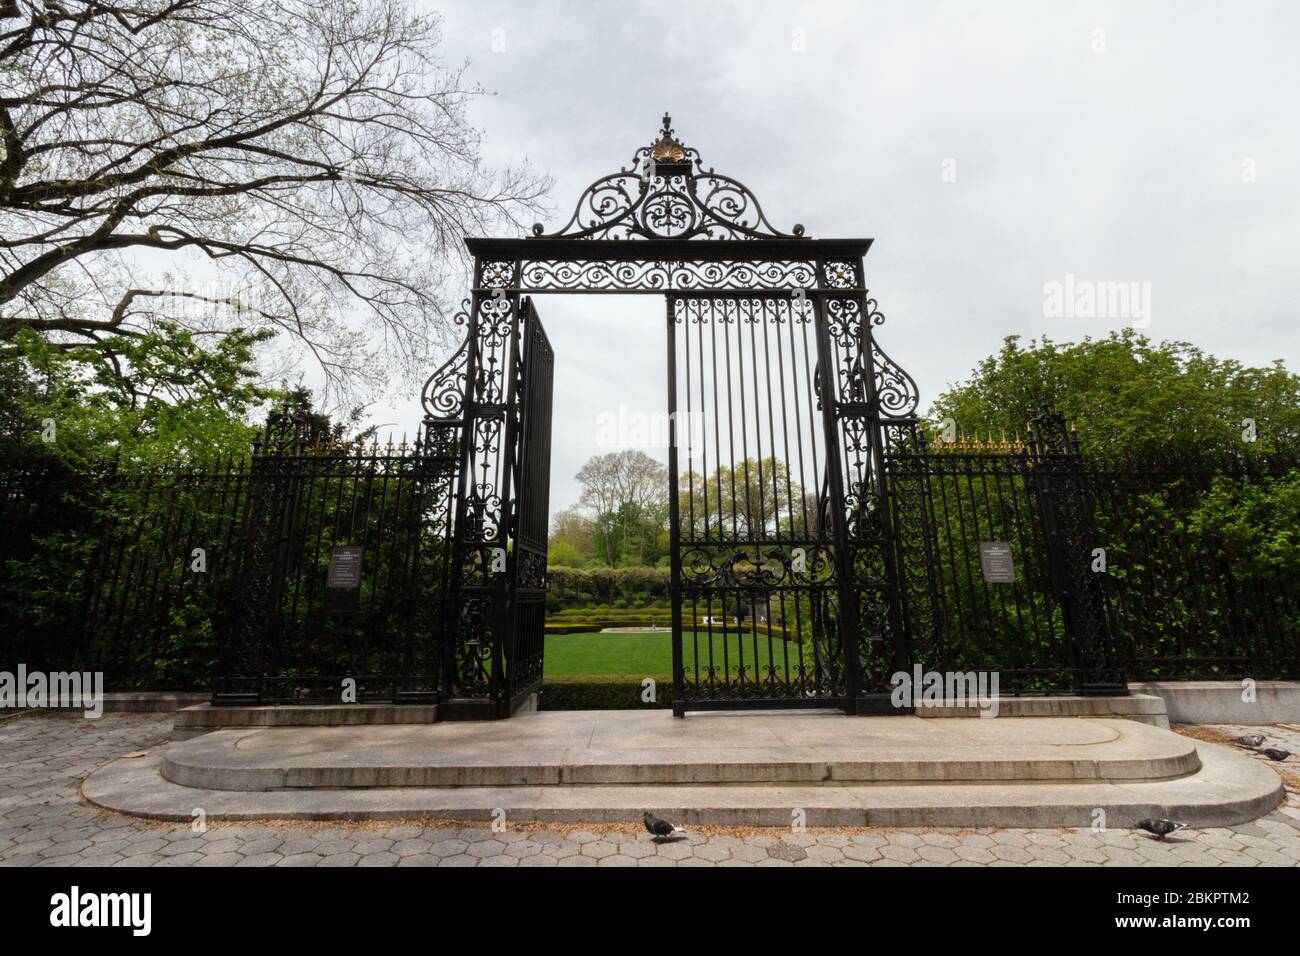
(345,568)
(343,580)
(996,562)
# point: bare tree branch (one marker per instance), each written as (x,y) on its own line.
(309,160)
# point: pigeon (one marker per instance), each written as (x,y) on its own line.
(660,828)
(1161,828)
(1251,740)
(1272,753)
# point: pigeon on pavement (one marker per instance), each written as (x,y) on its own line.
(1251,740)
(1161,828)
(1274,754)
(660,828)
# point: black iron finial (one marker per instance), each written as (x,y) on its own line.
(668,126)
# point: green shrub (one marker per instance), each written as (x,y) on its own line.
(611,692)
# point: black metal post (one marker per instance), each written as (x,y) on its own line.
(674,532)
(1065,504)
(848,595)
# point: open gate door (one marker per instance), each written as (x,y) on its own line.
(493,614)
(529,521)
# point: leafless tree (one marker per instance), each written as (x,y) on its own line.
(618,485)
(301,165)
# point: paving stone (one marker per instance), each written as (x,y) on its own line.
(903,838)
(937,854)
(745,853)
(857,853)
(179,847)
(446,849)
(1011,854)
(599,849)
(787,852)
(220,847)
(898,854)
(521,851)
(675,851)
(262,845)
(298,845)
(822,853)
(974,854)
(716,854)
(44,823)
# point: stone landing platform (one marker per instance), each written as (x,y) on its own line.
(726,769)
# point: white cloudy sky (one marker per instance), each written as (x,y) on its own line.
(1120,165)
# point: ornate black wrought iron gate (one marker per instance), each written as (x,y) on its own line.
(794,452)
(753,547)
(494,399)
(785,591)
(530,519)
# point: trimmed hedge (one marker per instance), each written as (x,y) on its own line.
(580,620)
(584,627)
(628,587)
(604,692)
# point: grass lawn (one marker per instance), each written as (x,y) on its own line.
(649,654)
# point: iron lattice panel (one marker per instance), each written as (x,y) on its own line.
(755,588)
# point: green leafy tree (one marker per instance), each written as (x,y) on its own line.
(169,397)
(1130,398)
(1197,474)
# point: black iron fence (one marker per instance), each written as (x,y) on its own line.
(1201,572)
(276,577)
(1064,575)
(311,563)
(343,570)
(125,571)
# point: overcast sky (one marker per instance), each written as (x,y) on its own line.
(1138,142)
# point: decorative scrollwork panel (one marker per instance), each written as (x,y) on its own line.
(655,275)
(668,193)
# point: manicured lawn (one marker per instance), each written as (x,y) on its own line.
(648,654)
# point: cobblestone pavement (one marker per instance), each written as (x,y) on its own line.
(44,757)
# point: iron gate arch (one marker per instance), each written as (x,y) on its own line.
(814,553)
(669,225)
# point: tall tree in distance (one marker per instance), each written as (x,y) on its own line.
(304,166)
(753,500)
(625,493)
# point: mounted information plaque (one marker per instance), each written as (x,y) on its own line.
(996,562)
(343,580)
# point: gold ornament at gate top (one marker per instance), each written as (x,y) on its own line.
(668,150)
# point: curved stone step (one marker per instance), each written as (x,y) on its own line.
(1227,789)
(638,748)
